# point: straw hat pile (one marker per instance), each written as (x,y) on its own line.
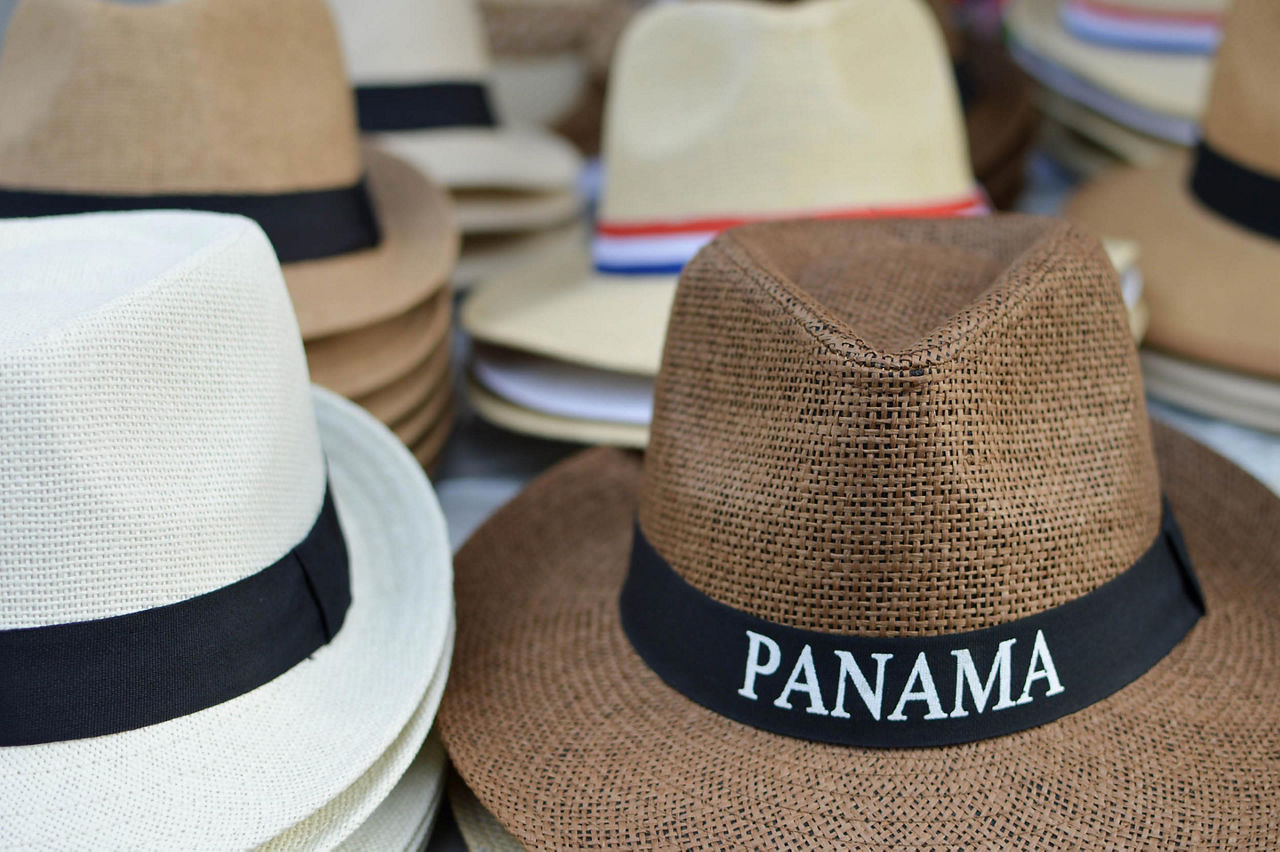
(258,562)
(1207,225)
(1124,79)
(238,106)
(567,347)
(423,80)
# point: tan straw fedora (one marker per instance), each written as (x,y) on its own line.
(226,105)
(422,74)
(1209,232)
(904,566)
(725,112)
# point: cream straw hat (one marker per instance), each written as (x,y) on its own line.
(164,464)
(722,112)
(422,74)
(403,822)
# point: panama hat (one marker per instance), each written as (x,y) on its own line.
(403,822)
(1161,94)
(895,571)
(1190,26)
(226,105)
(724,112)
(168,470)
(422,74)
(1206,223)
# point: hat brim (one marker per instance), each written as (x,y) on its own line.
(515,158)
(429,447)
(239,773)
(1210,284)
(487,211)
(396,401)
(485,256)
(425,416)
(366,360)
(479,829)
(418,247)
(1217,393)
(403,821)
(553,427)
(570,740)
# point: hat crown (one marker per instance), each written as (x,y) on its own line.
(202,96)
(728,108)
(157,439)
(899,428)
(413,41)
(1243,116)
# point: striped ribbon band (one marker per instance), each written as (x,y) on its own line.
(1143,29)
(663,248)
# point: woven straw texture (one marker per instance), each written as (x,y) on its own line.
(964,394)
(404,819)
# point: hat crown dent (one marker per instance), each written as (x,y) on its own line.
(729,108)
(202,96)
(413,41)
(899,428)
(1243,116)
(157,437)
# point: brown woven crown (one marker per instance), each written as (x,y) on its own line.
(900,428)
(198,96)
(1243,117)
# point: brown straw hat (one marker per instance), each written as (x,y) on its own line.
(229,105)
(1208,223)
(922,445)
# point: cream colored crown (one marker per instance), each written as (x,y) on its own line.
(413,41)
(730,108)
(201,96)
(157,439)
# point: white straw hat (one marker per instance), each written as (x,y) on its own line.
(162,454)
(722,112)
(422,72)
(404,819)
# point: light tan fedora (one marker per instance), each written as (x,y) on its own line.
(423,419)
(1209,233)
(431,446)
(485,256)
(358,363)
(395,401)
(423,74)
(1162,94)
(723,112)
(229,105)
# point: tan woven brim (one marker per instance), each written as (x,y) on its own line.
(480,830)
(427,450)
(413,259)
(398,400)
(571,741)
(496,212)
(539,424)
(1210,285)
(424,416)
(360,362)
(1217,393)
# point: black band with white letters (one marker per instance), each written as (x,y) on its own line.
(906,692)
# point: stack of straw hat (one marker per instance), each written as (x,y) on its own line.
(1208,226)
(567,347)
(423,79)
(239,106)
(1124,79)
(226,611)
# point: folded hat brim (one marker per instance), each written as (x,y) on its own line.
(570,740)
(485,256)
(540,424)
(1210,284)
(374,803)
(396,401)
(366,360)
(425,416)
(404,819)
(1217,393)
(428,449)
(413,259)
(513,158)
(485,211)
(239,773)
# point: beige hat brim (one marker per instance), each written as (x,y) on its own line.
(418,247)
(361,362)
(486,256)
(570,740)
(1124,142)
(513,158)
(396,401)
(1210,284)
(1217,393)
(1170,83)
(558,307)
(538,89)
(539,424)
(482,211)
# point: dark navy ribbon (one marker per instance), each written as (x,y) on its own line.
(91,678)
(1245,196)
(305,225)
(908,692)
(423,106)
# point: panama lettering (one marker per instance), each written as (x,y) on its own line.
(894,688)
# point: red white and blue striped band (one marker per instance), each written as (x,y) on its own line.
(1119,25)
(663,248)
